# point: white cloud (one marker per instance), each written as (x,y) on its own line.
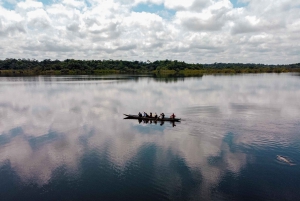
(178,4)
(29,5)
(11,23)
(136,2)
(73,3)
(110,28)
(38,19)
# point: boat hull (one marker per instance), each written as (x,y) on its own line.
(130,116)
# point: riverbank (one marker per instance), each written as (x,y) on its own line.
(27,67)
(186,72)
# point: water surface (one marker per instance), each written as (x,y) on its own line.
(64,138)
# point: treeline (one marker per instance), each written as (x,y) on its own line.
(71,66)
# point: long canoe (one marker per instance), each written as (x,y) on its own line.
(131,116)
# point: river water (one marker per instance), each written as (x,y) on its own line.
(64,138)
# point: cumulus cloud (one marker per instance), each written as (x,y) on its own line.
(73,3)
(101,26)
(11,23)
(38,19)
(29,5)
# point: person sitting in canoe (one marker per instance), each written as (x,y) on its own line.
(172,116)
(162,115)
(150,114)
(140,114)
(145,114)
(155,116)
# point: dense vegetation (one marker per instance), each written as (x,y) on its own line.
(16,67)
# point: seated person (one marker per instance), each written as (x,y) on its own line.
(172,116)
(140,114)
(150,114)
(162,115)
(145,114)
(155,116)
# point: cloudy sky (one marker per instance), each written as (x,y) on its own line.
(194,31)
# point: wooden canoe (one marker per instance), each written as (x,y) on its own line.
(130,116)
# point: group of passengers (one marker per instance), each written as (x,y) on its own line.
(161,116)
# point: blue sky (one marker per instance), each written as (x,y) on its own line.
(8,5)
(12,4)
(159,9)
(238,3)
(151,8)
(195,31)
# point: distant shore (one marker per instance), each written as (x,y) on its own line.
(27,67)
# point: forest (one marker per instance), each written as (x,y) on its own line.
(24,67)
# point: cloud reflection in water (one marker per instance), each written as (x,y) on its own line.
(52,122)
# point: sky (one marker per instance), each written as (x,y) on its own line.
(194,31)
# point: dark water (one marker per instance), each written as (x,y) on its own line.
(64,138)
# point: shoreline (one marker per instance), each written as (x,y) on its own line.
(160,73)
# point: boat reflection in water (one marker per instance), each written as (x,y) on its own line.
(147,121)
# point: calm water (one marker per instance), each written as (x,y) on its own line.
(64,138)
